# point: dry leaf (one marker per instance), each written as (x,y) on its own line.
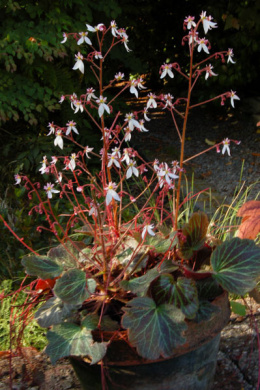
(249,228)
(249,208)
(250,225)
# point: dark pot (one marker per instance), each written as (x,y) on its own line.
(192,366)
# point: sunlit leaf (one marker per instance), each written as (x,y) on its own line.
(53,312)
(41,266)
(195,233)
(140,285)
(154,330)
(161,244)
(125,254)
(236,265)
(69,339)
(182,293)
(71,287)
(66,255)
(238,308)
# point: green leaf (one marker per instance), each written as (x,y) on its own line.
(153,330)
(69,339)
(139,286)
(195,232)
(71,287)
(236,265)
(205,311)
(107,324)
(65,255)
(124,255)
(208,289)
(238,308)
(182,293)
(41,266)
(160,243)
(53,312)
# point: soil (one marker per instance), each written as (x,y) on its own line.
(238,365)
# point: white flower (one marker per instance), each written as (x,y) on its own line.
(90,94)
(108,134)
(125,41)
(113,160)
(209,71)
(93,210)
(133,85)
(87,150)
(73,98)
(119,76)
(128,134)
(148,229)
(52,128)
(111,193)
(99,27)
(114,30)
(50,190)
(142,128)
(132,169)
(102,106)
(151,102)
(132,122)
(116,152)
(122,33)
(167,174)
(59,178)
(206,22)
(168,100)
(140,82)
(72,163)
(71,126)
(230,55)
(166,70)
(98,55)
(54,160)
(233,97)
(78,106)
(58,140)
(126,156)
(18,179)
(65,37)
(190,22)
(79,63)
(84,38)
(226,143)
(203,45)
(62,98)
(193,37)
(145,114)
(44,166)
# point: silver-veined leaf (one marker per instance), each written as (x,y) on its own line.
(236,265)
(154,330)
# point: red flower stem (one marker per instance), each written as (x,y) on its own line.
(183,139)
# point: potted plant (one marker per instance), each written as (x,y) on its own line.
(132,295)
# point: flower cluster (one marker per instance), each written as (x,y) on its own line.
(118,162)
